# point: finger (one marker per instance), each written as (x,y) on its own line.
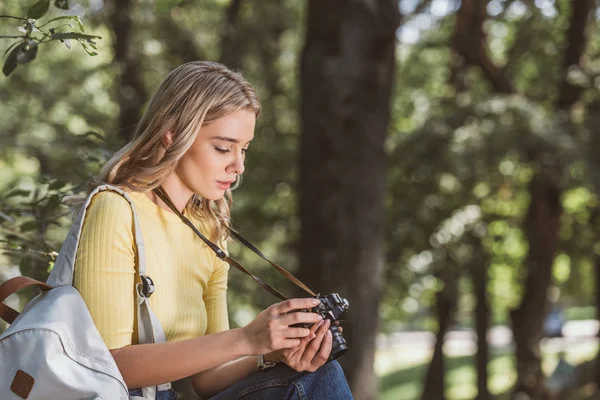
(312,330)
(295,304)
(288,344)
(325,350)
(300,318)
(293,333)
(305,340)
(316,343)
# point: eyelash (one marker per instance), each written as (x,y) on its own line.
(223,151)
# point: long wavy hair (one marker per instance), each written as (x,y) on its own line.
(193,94)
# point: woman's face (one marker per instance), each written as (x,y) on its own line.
(217,155)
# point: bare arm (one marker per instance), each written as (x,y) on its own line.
(210,382)
(153,364)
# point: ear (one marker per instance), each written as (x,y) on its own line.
(167,139)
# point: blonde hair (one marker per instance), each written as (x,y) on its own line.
(193,94)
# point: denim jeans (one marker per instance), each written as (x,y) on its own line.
(283,383)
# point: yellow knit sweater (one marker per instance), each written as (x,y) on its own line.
(191,282)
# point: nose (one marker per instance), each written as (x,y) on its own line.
(237,164)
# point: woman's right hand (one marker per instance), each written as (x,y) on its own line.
(271,329)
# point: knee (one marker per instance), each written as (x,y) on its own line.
(330,370)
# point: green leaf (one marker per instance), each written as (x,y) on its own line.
(39,9)
(9,48)
(74,35)
(62,4)
(71,17)
(29,52)
(86,47)
(11,61)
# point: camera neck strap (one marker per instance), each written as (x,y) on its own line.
(162,194)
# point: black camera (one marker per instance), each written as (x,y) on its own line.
(331,307)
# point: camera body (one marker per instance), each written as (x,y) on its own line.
(332,307)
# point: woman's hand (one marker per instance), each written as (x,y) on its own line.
(312,352)
(271,329)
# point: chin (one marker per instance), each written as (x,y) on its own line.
(215,196)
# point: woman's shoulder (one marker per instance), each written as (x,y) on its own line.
(111,203)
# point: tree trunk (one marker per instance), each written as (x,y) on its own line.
(347,70)
(232,43)
(541,230)
(434,385)
(131,92)
(482,322)
(542,223)
(597,297)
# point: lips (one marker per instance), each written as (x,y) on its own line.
(224,185)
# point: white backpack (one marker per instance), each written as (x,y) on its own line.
(52,350)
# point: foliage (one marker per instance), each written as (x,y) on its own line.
(458,152)
(25,48)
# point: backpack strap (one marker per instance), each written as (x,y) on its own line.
(12,286)
(149,328)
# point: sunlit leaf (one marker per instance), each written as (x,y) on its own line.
(74,35)
(71,17)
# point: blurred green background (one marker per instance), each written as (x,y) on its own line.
(484,212)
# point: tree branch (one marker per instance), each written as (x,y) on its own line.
(576,39)
(469,41)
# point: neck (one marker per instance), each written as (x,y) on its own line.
(179,193)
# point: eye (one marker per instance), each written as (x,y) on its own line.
(220,150)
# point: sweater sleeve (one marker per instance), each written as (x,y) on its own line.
(215,297)
(105,267)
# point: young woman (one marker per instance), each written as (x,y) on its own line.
(192,142)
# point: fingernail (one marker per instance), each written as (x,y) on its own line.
(328,333)
(315,301)
(320,317)
(320,323)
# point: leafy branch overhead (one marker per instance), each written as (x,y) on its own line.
(25,48)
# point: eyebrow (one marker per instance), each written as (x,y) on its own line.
(227,139)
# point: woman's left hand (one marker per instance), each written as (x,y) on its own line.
(312,352)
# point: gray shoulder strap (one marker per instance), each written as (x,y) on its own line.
(62,272)
(149,328)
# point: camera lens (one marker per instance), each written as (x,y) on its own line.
(339,345)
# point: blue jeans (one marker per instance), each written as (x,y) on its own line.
(283,383)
